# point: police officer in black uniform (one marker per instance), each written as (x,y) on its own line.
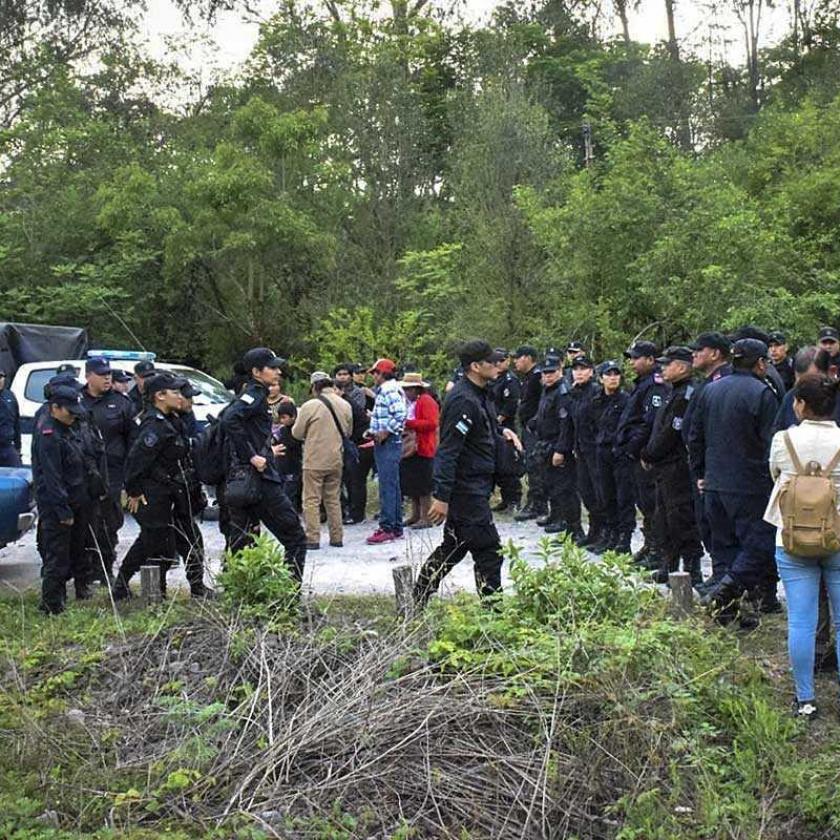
(634,428)
(9,426)
(463,481)
(615,479)
(666,457)
(142,371)
(155,477)
(555,431)
(584,391)
(573,351)
(782,361)
(506,392)
(112,414)
(729,446)
(530,377)
(61,492)
(247,427)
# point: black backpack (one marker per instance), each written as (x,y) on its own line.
(208,453)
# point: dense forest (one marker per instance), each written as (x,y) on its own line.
(389,178)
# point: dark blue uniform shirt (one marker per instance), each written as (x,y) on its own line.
(246,423)
(58,469)
(554,423)
(113,414)
(636,423)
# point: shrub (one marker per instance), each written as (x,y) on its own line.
(257,581)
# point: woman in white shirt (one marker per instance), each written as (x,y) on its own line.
(816,438)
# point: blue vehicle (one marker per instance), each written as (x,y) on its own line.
(17,503)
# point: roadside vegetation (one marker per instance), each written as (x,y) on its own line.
(575,707)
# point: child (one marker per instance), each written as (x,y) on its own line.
(287,450)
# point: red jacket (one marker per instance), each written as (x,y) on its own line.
(425,424)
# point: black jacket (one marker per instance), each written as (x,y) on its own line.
(666,445)
(506,394)
(9,420)
(699,385)
(465,463)
(584,415)
(159,457)
(786,372)
(729,441)
(636,422)
(247,426)
(607,410)
(529,397)
(58,469)
(554,423)
(112,414)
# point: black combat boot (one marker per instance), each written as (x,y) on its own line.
(666,566)
(555,525)
(622,542)
(694,568)
(725,593)
(606,539)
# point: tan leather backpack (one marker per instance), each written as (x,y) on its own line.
(808,505)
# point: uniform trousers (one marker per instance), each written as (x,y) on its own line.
(156,540)
(278,515)
(62,550)
(106,520)
(744,543)
(588,489)
(468,529)
(615,482)
(676,526)
(561,488)
(644,495)
(535,468)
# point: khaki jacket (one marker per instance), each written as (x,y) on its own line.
(322,446)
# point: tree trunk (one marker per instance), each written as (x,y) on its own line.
(621,8)
(681,108)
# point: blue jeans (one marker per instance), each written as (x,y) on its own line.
(801,580)
(387,456)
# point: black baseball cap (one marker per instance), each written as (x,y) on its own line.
(477,351)
(502,352)
(161,381)
(67,380)
(582,361)
(187,389)
(67,368)
(830,333)
(551,364)
(749,348)
(98,365)
(712,340)
(574,347)
(676,353)
(261,357)
(121,375)
(144,369)
(610,365)
(641,348)
(776,338)
(525,350)
(68,397)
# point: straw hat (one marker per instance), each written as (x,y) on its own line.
(413,380)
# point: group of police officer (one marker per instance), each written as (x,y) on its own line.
(93,448)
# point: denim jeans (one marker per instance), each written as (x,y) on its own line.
(801,580)
(387,456)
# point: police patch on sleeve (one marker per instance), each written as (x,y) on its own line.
(656,401)
(150,440)
(246,398)
(464,425)
(677,423)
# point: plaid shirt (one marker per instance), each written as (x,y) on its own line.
(389,409)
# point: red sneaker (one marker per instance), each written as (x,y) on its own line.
(379,536)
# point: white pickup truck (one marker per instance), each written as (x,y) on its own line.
(29,380)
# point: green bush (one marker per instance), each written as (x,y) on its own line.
(257,582)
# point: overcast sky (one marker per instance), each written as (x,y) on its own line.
(231,38)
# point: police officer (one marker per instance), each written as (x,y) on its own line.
(121,381)
(112,415)
(247,427)
(155,476)
(634,428)
(615,479)
(506,392)
(58,472)
(829,340)
(573,351)
(554,428)
(782,362)
(530,377)
(9,426)
(729,445)
(584,390)
(190,499)
(142,371)
(463,480)
(666,457)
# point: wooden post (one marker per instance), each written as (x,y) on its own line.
(404,590)
(682,597)
(150,584)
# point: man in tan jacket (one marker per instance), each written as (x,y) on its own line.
(323,456)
